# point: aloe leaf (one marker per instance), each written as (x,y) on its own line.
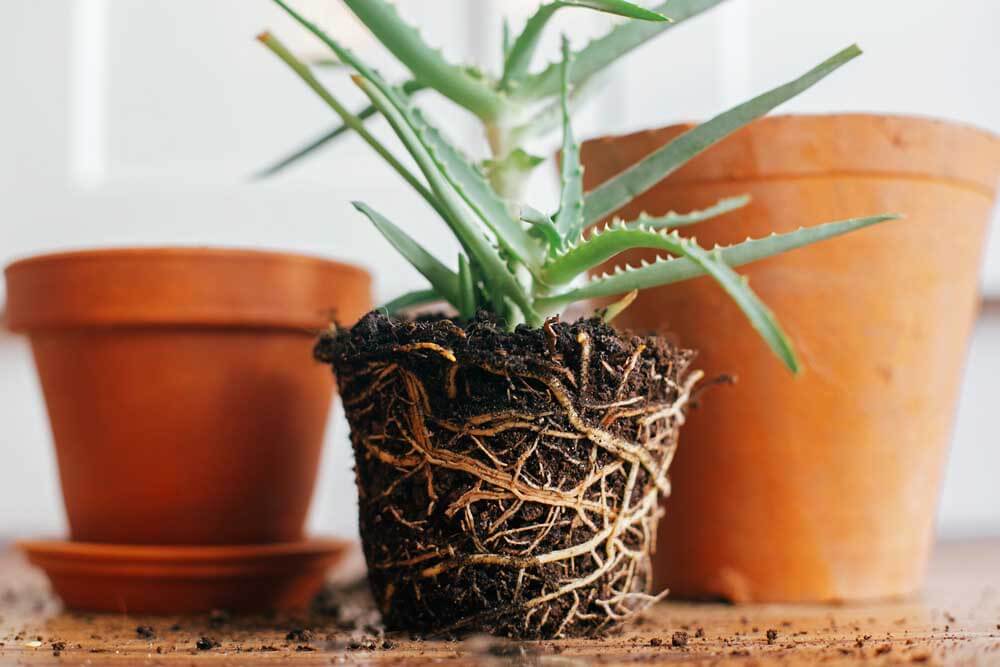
(415,298)
(666,271)
(499,280)
(409,87)
(466,289)
(426,64)
(520,53)
(615,309)
(738,288)
(601,246)
(610,242)
(352,121)
(629,184)
(605,50)
(444,281)
(508,173)
(674,220)
(543,225)
(470,183)
(549,117)
(505,41)
(569,219)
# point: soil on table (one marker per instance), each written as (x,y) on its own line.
(508,481)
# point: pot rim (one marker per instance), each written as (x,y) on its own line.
(181,251)
(954,166)
(202,286)
(926,119)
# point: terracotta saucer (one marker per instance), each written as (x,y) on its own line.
(185,579)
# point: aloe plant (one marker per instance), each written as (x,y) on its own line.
(517,105)
(523,264)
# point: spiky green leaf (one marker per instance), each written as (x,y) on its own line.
(304,73)
(605,50)
(760,316)
(667,271)
(569,219)
(674,220)
(543,227)
(444,281)
(549,117)
(519,55)
(509,172)
(604,245)
(408,87)
(616,308)
(470,183)
(500,282)
(629,184)
(426,63)
(466,289)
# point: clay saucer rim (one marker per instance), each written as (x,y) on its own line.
(187,562)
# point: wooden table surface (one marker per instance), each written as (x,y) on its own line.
(955,621)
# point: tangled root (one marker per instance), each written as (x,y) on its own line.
(509,482)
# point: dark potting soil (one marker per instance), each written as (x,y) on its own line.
(508,481)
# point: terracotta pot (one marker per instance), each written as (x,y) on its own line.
(184,402)
(822,486)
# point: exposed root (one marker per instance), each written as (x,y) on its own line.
(509,483)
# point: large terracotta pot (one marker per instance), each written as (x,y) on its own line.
(822,486)
(184,402)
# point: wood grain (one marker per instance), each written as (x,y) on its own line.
(955,621)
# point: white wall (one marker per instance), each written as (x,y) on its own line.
(137,122)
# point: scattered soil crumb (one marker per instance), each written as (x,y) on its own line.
(299,635)
(656,641)
(679,640)
(145,632)
(206,644)
(772,635)
(700,633)
(883,649)
(362,645)
(304,647)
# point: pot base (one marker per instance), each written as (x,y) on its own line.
(185,579)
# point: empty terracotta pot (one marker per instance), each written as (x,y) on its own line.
(184,402)
(822,486)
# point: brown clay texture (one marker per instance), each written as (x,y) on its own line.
(184,403)
(822,486)
(183,580)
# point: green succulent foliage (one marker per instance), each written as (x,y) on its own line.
(512,99)
(522,263)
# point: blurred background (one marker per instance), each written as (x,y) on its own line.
(130,122)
